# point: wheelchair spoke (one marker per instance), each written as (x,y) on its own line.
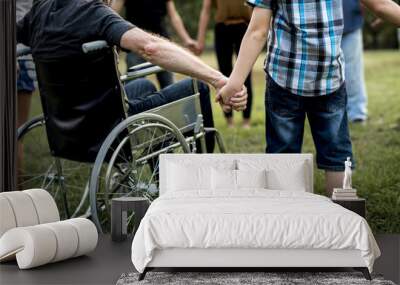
(119,155)
(31,178)
(137,173)
(32,175)
(117,185)
(37,169)
(46,186)
(151,140)
(71,186)
(153,173)
(70,169)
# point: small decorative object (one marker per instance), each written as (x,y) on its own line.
(347,192)
(347,183)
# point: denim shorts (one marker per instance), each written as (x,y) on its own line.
(26,79)
(327,116)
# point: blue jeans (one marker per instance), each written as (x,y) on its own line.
(143,95)
(26,78)
(285,118)
(352,46)
(165,78)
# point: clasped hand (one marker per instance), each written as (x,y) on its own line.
(229,97)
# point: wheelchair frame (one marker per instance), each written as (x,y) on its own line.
(175,118)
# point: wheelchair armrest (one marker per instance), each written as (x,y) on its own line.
(94,46)
(141,70)
(140,67)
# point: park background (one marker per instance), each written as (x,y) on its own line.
(383,37)
(376,144)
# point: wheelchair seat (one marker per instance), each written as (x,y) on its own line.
(82,103)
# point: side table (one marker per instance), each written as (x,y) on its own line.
(358,205)
(119,215)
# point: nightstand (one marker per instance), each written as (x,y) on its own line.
(358,205)
(120,207)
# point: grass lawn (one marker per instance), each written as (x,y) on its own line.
(376,145)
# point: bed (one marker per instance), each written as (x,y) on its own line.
(247,211)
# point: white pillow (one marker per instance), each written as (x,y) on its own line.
(188,177)
(223,179)
(280,174)
(251,178)
(294,179)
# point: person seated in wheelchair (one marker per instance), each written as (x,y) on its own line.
(56,29)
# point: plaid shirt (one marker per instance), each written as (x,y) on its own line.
(305,56)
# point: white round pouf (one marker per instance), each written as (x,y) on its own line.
(23,208)
(31,231)
(87,234)
(7,217)
(67,240)
(45,205)
(33,246)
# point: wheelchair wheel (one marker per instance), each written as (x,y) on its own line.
(66,181)
(127,164)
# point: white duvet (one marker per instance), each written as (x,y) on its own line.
(250,219)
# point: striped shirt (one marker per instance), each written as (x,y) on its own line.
(304,54)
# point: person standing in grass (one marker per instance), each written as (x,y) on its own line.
(305,75)
(352,45)
(232,19)
(150,15)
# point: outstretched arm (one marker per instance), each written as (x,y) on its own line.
(179,27)
(168,55)
(252,44)
(385,9)
(203,23)
(176,59)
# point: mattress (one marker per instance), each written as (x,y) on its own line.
(250,219)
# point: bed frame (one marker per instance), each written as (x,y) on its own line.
(249,259)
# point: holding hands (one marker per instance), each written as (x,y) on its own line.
(228,97)
(192,45)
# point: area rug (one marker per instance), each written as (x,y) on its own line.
(239,278)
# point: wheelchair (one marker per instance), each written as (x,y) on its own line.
(86,150)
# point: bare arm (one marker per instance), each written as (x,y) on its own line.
(178,25)
(252,45)
(176,59)
(168,55)
(203,23)
(117,5)
(385,9)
